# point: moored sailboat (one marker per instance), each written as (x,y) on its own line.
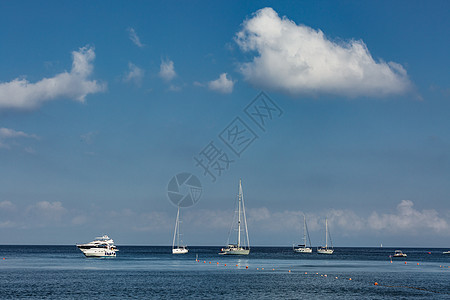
(179,248)
(326,249)
(242,246)
(302,248)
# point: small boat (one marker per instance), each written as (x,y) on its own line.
(302,247)
(179,248)
(446,252)
(242,247)
(326,250)
(399,253)
(100,247)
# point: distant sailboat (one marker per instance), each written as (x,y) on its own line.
(242,246)
(303,248)
(179,248)
(326,250)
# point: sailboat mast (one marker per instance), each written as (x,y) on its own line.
(176,227)
(178,231)
(326,233)
(304,231)
(239,214)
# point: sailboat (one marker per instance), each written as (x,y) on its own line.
(303,248)
(178,249)
(326,250)
(242,246)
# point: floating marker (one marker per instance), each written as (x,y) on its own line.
(246,267)
(236,265)
(417,263)
(217,262)
(306,272)
(376,283)
(289,271)
(405,262)
(273,269)
(225,265)
(349,279)
(257,268)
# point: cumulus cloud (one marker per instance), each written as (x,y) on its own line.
(134,74)
(22,94)
(223,84)
(167,70)
(300,60)
(134,37)
(7,134)
(408,219)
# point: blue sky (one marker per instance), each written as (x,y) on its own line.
(101,104)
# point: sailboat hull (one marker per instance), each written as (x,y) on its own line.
(179,251)
(325,251)
(303,250)
(235,252)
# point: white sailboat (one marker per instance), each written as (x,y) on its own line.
(179,248)
(303,248)
(242,246)
(326,250)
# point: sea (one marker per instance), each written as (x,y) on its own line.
(152,272)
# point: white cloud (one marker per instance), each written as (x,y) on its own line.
(134,37)
(11,134)
(167,70)
(6,133)
(21,94)
(7,205)
(408,219)
(134,74)
(300,60)
(44,213)
(222,84)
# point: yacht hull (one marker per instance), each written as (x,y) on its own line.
(98,253)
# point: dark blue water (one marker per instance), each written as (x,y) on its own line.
(62,272)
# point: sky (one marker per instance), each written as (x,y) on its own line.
(328,109)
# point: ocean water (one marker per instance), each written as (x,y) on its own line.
(62,272)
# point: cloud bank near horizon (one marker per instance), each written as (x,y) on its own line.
(21,94)
(404,221)
(299,60)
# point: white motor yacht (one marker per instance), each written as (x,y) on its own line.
(100,247)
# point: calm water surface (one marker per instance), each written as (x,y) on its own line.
(62,272)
